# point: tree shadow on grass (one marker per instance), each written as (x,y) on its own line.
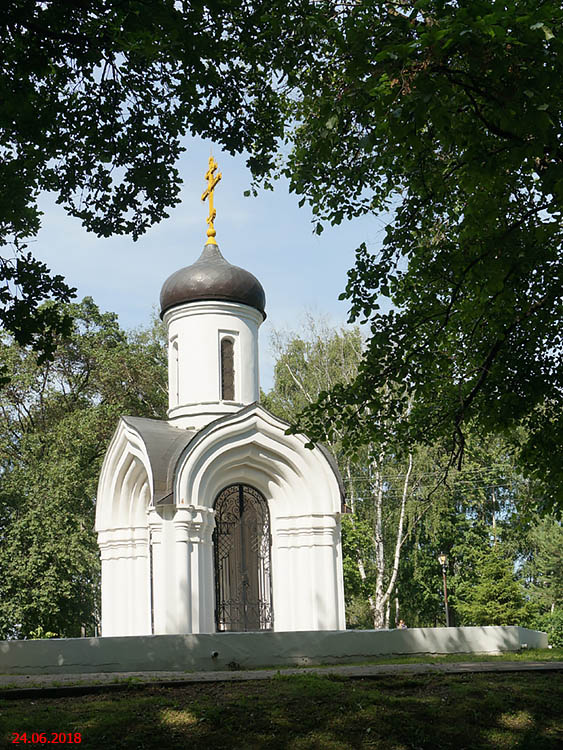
(516,711)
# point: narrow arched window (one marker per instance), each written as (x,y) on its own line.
(173,374)
(227,370)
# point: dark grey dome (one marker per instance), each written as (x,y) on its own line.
(212,277)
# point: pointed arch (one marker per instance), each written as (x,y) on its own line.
(303,495)
(125,486)
(253,443)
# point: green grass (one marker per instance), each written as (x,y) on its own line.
(531,654)
(300,712)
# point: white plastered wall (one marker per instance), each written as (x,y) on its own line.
(251,650)
(249,447)
(195,331)
(124,493)
(303,497)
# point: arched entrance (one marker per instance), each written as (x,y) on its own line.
(241,543)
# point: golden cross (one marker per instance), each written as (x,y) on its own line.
(212,181)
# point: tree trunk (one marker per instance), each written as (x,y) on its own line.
(494,519)
(351,494)
(378,608)
(381,599)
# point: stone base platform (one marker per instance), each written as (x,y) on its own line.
(221,651)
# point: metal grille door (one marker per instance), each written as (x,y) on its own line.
(241,540)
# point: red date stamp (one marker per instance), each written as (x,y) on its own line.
(46,738)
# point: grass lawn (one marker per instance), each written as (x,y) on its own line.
(530,654)
(434,712)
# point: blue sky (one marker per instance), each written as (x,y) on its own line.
(268,235)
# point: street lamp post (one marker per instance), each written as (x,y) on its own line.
(442,559)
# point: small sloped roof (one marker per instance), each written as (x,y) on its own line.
(164,445)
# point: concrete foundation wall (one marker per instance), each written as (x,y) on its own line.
(202,652)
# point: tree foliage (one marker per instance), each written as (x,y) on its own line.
(494,596)
(446,113)
(57,419)
(450,115)
(97,96)
(503,561)
(309,363)
(542,575)
(543,568)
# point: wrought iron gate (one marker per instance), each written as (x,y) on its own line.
(241,542)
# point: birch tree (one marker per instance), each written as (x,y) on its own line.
(319,359)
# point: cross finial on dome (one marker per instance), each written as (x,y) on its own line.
(212,181)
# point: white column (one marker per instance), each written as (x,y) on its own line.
(117,559)
(329,614)
(193,576)
(207,590)
(183,583)
(107,562)
(158,573)
(139,623)
(338,567)
(285,576)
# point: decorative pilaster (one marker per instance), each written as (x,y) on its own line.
(306,549)
(125,581)
(158,577)
(193,528)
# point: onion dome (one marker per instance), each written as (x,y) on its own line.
(212,277)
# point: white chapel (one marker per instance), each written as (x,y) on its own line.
(214,519)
